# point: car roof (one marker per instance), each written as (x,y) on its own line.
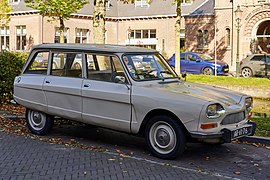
(94,47)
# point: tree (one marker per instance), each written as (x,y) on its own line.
(99,21)
(4,15)
(57,10)
(177,35)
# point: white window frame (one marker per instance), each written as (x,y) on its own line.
(14,1)
(57,33)
(141,3)
(22,29)
(81,36)
(5,32)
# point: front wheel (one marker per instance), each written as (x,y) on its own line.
(208,71)
(38,122)
(164,137)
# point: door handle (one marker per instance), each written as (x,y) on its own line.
(47,82)
(86,85)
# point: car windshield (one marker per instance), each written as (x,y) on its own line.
(206,57)
(148,67)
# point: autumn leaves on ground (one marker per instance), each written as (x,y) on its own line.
(18,126)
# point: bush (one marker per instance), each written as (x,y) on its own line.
(11,64)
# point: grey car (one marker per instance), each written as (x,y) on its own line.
(128,89)
(256,65)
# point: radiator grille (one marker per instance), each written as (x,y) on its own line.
(233,118)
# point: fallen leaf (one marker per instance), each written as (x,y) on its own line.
(237,172)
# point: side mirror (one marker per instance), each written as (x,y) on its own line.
(120,79)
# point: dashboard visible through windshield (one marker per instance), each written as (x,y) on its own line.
(148,67)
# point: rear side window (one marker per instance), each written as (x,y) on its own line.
(104,67)
(258,58)
(67,64)
(39,64)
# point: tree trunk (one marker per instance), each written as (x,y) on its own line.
(62,31)
(99,21)
(177,36)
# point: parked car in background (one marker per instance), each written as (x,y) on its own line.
(128,89)
(256,65)
(199,63)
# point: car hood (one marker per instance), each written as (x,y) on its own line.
(202,92)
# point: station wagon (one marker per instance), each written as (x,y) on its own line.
(127,89)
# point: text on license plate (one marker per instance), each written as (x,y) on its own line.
(240,132)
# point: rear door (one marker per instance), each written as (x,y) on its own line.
(192,65)
(28,86)
(183,62)
(257,63)
(63,86)
(106,100)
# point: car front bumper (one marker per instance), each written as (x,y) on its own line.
(227,135)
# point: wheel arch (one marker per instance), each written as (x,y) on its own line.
(156,112)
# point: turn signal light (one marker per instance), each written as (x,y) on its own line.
(208,126)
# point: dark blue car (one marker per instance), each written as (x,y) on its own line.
(199,63)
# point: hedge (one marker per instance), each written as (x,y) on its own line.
(11,64)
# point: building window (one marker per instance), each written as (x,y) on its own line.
(4,33)
(81,36)
(200,39)
(143,34)
(20,37)
(184,2)
(13,1)
(57,35)
(143,38)
(205,38)
(228,38)
(141,3)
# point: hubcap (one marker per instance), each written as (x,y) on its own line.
(37,120)
(246,72)
(162,137)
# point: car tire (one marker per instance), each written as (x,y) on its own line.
(38,122)
(208,71)
(246,72)
(164,137)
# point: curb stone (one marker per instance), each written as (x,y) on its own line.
(255,139)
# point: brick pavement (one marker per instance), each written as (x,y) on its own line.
(26,158)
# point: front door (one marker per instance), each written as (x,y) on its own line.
(63,86)
(106,94)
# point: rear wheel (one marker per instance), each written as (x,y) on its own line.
(208,71)
(38,122)
(247,72)
(164,137)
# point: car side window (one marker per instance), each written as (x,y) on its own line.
(257,58)
(191,57)
(268,58)
(39,64)
(67,64)
(104,68)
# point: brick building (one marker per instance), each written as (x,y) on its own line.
(213,28)
(208,26)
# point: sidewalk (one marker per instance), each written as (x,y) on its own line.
(25,158)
